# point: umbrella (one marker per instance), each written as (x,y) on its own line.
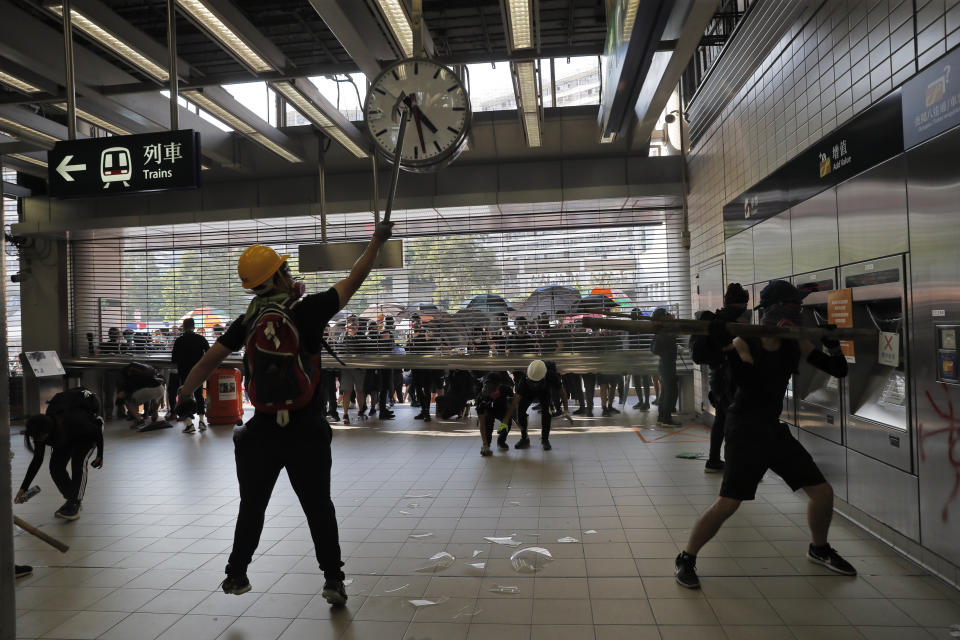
(552,299)
(206,318)
(426,310)
(617,295)
(377,309)
(593,303)
(489,302)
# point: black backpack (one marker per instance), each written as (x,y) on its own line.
(75,399)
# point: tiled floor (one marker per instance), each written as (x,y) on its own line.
(147,554)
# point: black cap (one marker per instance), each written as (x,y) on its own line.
(779,292)
(736,294)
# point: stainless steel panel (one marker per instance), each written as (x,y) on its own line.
(934,194)
(876,399)
(830,457)
(818,395)
(340,256)
(772,257)
(739,249)
(813,233)
(886,493)
(872,213)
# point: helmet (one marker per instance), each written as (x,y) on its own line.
(536,371)
(258,263)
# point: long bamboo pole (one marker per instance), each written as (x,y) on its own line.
(702,328)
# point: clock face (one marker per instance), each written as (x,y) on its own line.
(438,113)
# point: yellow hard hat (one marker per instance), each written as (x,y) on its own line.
(258,263)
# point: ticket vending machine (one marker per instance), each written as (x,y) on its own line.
(818,395)
(876,398)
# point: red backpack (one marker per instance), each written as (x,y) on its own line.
(281,375)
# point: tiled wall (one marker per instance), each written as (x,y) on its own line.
(831,64)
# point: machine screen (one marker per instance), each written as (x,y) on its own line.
(820,285)
(873,277)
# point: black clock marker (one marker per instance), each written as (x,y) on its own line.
(459,109)
(437,73)
(437,145)
(380,133)
(416,68)
(452,129)
(416,154)
(452,88)
(380,91)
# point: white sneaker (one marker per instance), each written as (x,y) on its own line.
(188,426)
(203,425)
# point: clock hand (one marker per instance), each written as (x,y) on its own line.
(426,121)
(416,116)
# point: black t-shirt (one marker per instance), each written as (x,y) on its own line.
(187,351)
(311,314)
(760,386)
(541,389)
(496,402)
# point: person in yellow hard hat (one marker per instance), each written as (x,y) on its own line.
(288,429)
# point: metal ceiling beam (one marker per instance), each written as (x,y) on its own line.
(38,123)
(657,88)
(228,13)
(358,32)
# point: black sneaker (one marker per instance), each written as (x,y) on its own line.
(237,585)
(546,445)
(426,418)
(668,423)
(713,466)
(334,416)
(638,406)
(588,412)
(645,406)
(334,592)
(485,451)
(502,442)
(686,571)
(606,413)
(22,570)
(613,410)
(523,443)
(829,558)
(419,416)
(69,511)
(579,412)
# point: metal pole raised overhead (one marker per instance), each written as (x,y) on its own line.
(8,623)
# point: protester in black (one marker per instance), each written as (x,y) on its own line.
(141,384)
(72,428)
(385,345)
(665,348)
(421,343)
(263,447)
(493,403)
(758,441)
(537,386)
(704,350)
(187,351)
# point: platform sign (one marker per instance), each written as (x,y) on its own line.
(840,313)
(125,164)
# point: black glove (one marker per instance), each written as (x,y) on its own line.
(186,406)
(383,231)
(719,333)
(828,340)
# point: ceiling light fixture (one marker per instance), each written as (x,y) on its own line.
(17,130)
(300,102)
(95,120)
(115,44)
(399,23)
(227,37)
(18,84)
(525,74)
(28,159)
(239,125)
(519,15)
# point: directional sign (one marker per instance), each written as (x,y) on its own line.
(125,164)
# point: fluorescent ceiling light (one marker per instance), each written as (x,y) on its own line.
(22,131)
(629,17)
(110,41)
(527,104)
(313,113)
(95,120)
(18,84)
(215,27)
(521,24)
(610,137)
(399,23)
(216,110)
(28,159)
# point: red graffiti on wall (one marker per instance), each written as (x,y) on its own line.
(952,429)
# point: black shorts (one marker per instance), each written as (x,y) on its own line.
(749,457)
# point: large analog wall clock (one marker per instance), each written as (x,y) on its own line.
(438,108)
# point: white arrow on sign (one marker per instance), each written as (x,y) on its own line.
(64,168)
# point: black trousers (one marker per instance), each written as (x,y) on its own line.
(573,385)
(77,455)
(668,391)
(328,392)
(589,388)
(173,385)
(386,387)
(422,380)
(262,448)
(641,383)
(523,420)
(716,432)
